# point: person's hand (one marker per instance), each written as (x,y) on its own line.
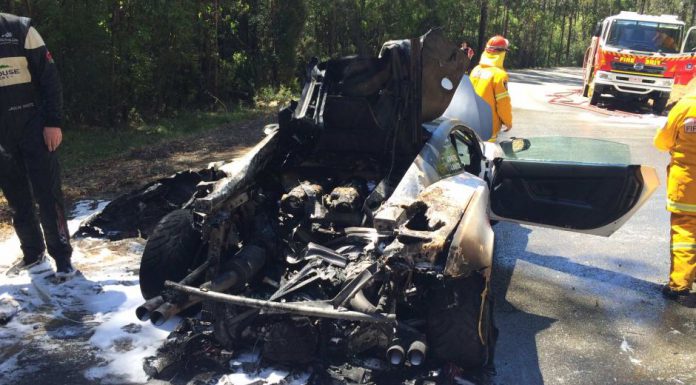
(507,128)
(52,137)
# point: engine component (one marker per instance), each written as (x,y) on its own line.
(296,200)
(326,254)
(316,309)
(347,198)
(243,267)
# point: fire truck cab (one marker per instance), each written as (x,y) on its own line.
(639,57)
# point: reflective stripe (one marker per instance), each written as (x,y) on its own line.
(503,95)
(33,40)
(685,207)
(683,246)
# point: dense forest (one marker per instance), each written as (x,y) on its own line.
(130,59)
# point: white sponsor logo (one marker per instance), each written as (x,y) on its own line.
(8,38)
(690,125)
(20,107)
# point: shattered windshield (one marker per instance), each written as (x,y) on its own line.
(645,36)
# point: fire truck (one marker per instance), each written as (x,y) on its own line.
(639,57)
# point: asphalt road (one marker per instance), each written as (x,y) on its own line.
(581,309)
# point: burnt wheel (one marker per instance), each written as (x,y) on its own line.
(170,252)
(461,329)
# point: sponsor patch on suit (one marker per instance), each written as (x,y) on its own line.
(14,70)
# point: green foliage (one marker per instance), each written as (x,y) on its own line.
(127,61)
(85,145)
(272,97)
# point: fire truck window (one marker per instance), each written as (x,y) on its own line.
(690,45)
(645,36)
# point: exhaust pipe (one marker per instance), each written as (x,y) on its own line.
(244,266)
(168,310)
(144,311)
(417,352)
(395,353)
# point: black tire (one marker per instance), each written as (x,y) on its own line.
(594,93)
(659,105)
(170,252)
(585,90)
(453,323)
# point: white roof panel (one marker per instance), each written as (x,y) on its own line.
(671,19)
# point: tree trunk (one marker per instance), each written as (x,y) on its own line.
(506,20)
(483,25)
(560,48)
(570,36)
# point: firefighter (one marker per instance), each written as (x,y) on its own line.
(30,119)
(490,82)
(678,136)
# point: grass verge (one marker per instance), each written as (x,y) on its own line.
(88,145)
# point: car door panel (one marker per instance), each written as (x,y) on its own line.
(591,198)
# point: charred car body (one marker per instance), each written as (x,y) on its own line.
(360,225)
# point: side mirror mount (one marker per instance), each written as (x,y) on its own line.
(597,31)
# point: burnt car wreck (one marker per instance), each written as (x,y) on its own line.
(359,226)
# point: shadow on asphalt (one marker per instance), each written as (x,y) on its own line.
(517,351)
(630,106)
(518,329)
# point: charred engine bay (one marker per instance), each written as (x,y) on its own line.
(346,293)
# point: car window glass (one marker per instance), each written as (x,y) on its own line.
(462,151)
(449,162)
(565,149)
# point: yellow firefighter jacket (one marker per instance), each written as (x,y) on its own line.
(490,82)
(678,136)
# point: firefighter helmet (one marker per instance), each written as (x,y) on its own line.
(497,44)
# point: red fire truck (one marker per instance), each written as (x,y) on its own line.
(639,57)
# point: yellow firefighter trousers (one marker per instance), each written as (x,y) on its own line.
(683,248)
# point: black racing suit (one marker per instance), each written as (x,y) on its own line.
(30,99)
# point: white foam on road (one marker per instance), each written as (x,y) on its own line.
(123,341)
(101,302)
(104,296)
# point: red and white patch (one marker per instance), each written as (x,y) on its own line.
(690,125)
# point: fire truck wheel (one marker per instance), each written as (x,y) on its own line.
(659,105)
(594,93)
(585,90)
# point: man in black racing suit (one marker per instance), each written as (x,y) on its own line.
(31,101)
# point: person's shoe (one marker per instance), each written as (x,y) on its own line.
(21,264)
(682,297)
(64,270)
